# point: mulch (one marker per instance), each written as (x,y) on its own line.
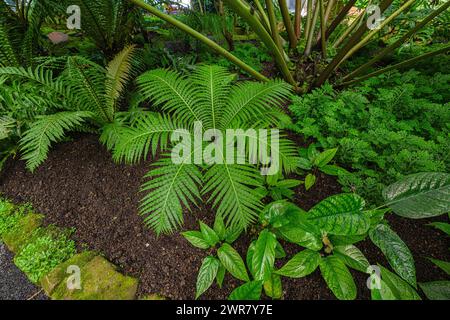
(80,186)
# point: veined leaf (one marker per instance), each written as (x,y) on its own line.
(393,287)
(444,227)
(220,275)
(338,278)
(196,239)
(279,251)
(420,195)
(444,265)
(396,252)
(273,287)
(325,157)
(209,234)
(300,265)
(233,262)
(352,257)
(263,257)
(340,215)
(310,180)
(206,275)
(436,290)
(219,227)
(248,291)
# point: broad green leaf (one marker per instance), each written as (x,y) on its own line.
(396,252)
(279,251)
(273,287)
(196,239)
(299,230)
(436,290)
(220,275)
(393,287)
(420,195)
(325,157)
(376,216)
(219,227)
(310,180)
(206,275)
(209,234)
(444,227)
(340,215)
(248,291)
(444,265)
(233,262)
(300,265)
(338,278)
(288,183)
(352,257)
(304,164)
(333,170)
(249,257)
(345,240)
(263,257)
(274,213)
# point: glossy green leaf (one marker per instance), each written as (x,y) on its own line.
(304,164)
(279,251)
(219,227)
(206,275)
(345,240)
(249,257)
(196,239)
(444,265)
(263,257)
(393,287)
(376,216)
(338,278)
(232,234)
(274,213)
(273,287)
(352,257)
(340,215)
(248,291)
(233,262)
(436,290)
(310,180)
(209,234)
(396,252)
(300,265)
(420,195)
(333,170)
(220,275)
(444,227)
(325,157)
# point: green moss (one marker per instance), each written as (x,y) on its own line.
(50,281)
(99,281)
(21,231)
(153,296)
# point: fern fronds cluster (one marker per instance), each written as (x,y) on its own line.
(210,97)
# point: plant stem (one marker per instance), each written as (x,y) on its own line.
(322,30)
(341,16)
(298,18)
(201,37)
(397,66)
(288,23)
(311,29)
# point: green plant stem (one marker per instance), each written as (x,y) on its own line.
(263,15)
(244,11)
(354,39)
(397,66)
(339,18)
(397,43)
(322,30)
(200,37)
(309,14)
(288,23)
(348,30)
(273,24)
(311,29)
(298,18)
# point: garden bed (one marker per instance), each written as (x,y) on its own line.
(80,186)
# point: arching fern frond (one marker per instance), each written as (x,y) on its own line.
(44,131)
(148,133)
(233,194)
(252,99)
(118,73)
(174,93)
(7,55)
(169,187)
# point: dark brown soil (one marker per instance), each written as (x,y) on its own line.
(80,186)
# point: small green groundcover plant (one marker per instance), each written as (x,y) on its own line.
(387,127)
(326,236)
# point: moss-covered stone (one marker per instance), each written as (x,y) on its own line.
(99,281)
(20,234)
(50,281)
(153,296)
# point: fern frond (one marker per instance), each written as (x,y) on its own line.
(251,99)
(118,72)
(233,192)
(173,92)
(148,133)
(7,55)
(213,86)
(171,187)
(6,126)
(36,141)
(110,134)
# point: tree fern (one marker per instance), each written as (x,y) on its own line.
(46,130)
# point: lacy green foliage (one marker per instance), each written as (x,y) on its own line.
(43,254)
(39,108)
(8,220)
(209,96)
(389,126)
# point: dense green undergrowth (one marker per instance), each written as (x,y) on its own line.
(385,128)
